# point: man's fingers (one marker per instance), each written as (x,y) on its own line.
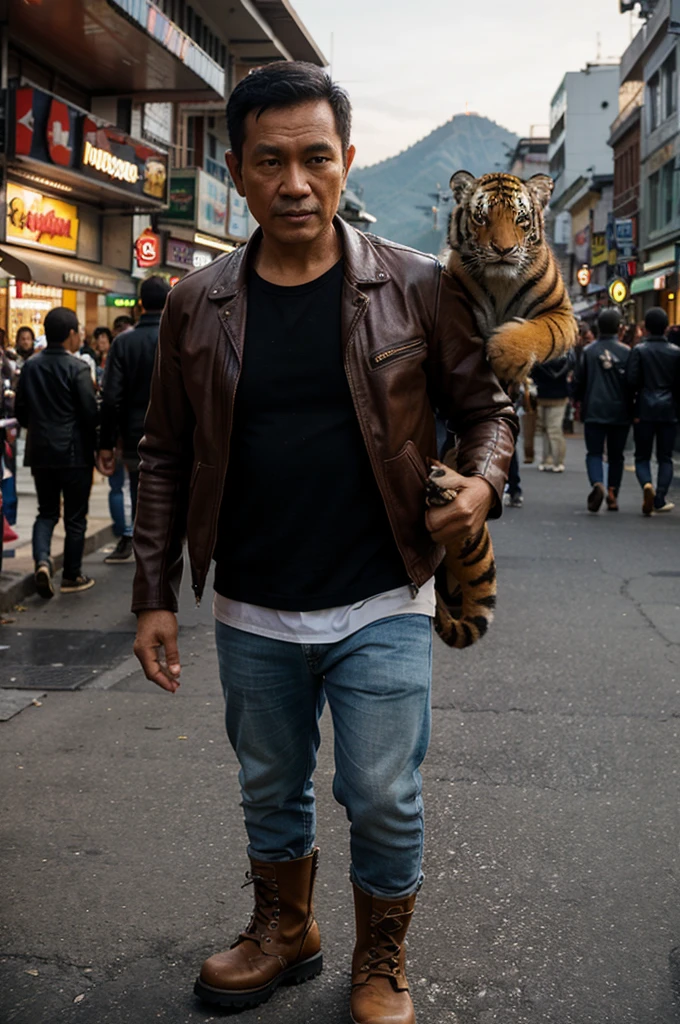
(165,677)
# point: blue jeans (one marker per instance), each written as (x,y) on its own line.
(117,501)
(615,435)
(377,684)
(646,432)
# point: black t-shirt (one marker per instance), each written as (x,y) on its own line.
(302,524)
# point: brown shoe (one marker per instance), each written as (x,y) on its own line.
(612,500)
(648,496)
(280,946)
(595,498)
(380,992)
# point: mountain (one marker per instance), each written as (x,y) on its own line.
(394,189)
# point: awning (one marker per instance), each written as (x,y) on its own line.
(61,272)
(646,283)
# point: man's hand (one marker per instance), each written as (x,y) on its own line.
(463,518)
(156,629)
(106,462)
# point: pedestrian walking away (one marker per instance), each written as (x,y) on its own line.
(56,401)
(551,385)
(288,435)
(601,387)
(653,374)
(125,397)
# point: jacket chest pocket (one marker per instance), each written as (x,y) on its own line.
(397,350)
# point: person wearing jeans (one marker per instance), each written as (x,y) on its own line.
(600,385)
(56,401)
(654,376)
(288,435)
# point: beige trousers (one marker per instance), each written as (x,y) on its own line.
(550,418)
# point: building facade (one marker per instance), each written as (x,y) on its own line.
(113,145)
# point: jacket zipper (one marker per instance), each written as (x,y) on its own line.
(413,586)
(380,357)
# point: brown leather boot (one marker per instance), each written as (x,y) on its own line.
(281,944)
(612,500)
(380,992)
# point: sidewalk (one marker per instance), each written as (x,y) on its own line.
(16,578)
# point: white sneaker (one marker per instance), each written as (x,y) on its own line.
(668,506)
(559,469)
(545,467)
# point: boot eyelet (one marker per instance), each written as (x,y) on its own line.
(273,925)
(268,939)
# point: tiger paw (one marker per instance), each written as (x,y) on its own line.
(510,350)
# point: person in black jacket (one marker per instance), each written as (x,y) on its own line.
(125,393)
(551,385)
(654,376)
(600,385)
(55,400)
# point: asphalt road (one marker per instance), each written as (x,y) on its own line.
(551,789)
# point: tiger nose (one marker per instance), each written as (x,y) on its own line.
(500,251)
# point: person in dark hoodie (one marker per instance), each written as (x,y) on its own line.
(654,376)
(125,394)
(600,385)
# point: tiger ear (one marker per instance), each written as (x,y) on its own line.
(459,182)
(541,186)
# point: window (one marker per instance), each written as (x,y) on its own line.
(667,177)
(669,79)
(654,183)
(212,147)
(654,89)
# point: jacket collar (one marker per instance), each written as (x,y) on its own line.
(147,319)
(363,263)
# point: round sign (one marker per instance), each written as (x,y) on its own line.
(618,290)
(583,275)
(148,249)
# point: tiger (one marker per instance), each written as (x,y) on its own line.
(499,255)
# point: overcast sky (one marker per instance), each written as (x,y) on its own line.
(410,65)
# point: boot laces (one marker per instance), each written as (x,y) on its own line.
(266,907)
(383,957)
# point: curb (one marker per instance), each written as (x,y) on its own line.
(14,590)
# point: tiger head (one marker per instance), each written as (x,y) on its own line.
(497,228)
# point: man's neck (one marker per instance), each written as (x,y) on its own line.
(291,265)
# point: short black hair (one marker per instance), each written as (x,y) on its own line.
(656,321)
(285,83)
(59,323)
(608,322)
(123,321)
(98,331)
(153,292)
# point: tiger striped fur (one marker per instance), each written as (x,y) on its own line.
(499,254)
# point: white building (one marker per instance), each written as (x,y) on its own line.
(581,112)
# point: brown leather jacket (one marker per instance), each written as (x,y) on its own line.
(409,346)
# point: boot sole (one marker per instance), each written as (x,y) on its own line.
(43,584)
(595,499)
(295,975)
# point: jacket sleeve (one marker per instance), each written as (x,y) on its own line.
(466,391)
(112,398)
(20,404)
(580,378)
(166,453)
(634,371)
(85,398)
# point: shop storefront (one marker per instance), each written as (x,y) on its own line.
(67,173)
(203,220)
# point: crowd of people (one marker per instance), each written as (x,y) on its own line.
(77,413)
(616,377)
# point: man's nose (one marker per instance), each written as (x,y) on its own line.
(295,183)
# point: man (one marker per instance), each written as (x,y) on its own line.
(122,324)
(55,401)
(654,377)
(288,434)
(125,396)
(551,399)
(600,385)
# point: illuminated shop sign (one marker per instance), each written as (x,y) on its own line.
(120,301)
(148,249)
(52,132)
(40,221)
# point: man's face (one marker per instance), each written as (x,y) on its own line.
(24,341)
(292,171)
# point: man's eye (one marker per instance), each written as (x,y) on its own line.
(272,162)
(319,160)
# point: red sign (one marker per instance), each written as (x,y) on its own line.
(148,249)
(59,134)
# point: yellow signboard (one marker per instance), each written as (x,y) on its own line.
(39,221)
(618,290)
(598,249)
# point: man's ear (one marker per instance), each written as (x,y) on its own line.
(459,183)
(235,171)
(349,160)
